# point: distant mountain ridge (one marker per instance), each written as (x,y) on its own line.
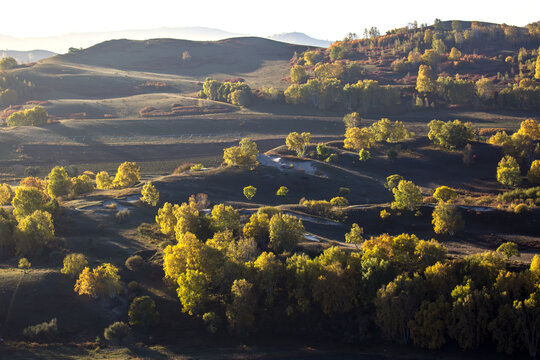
(25,57)
(61,43)
(299,38)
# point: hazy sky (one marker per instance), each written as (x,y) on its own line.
(329,19)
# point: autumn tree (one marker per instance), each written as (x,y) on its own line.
(355,236)
(74,264)
(407,196)
(82,184)
(468,318)
(128,174)
(59,183)
(241,310)
(192,290)
(485,89)
(298,74)
(396,304)
(225,217)
(392,181)
(451,134)
(166,218)
(533,175)
(282,191)
(104,180)
(428,328)
(101,281)
(27,200)
(150,194)
(257,228)
(187,218)
(444,194)
(34,233)
(537,68)
(142,313)
(8,63)
(530,128)
(508,172)
(364,155)
(508,249)
(425,82)
(358,138)
(352,120)
(245,154)
(249,192)
(454,55)
(447,219)
(285,232)
(298,142)
(6,194)
(391,132)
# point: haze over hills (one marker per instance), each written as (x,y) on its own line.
(300,39)
(61,43)
(24,57)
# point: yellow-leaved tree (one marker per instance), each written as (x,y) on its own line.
(101,281)
(298,142)
(128,174)
(104,181)
(74,264)
(149,193)
(358,138)
(245,154)
(6,194)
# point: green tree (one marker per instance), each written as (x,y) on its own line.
(508,172)
(298,74)
(447,219)
(142,313)
(298,142)
(249,192)
(59,183)
(74,264)
(150,194)
(406,196)
(128,174)
(192,290)
(285,232)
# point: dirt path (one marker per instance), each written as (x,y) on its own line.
(10,307)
